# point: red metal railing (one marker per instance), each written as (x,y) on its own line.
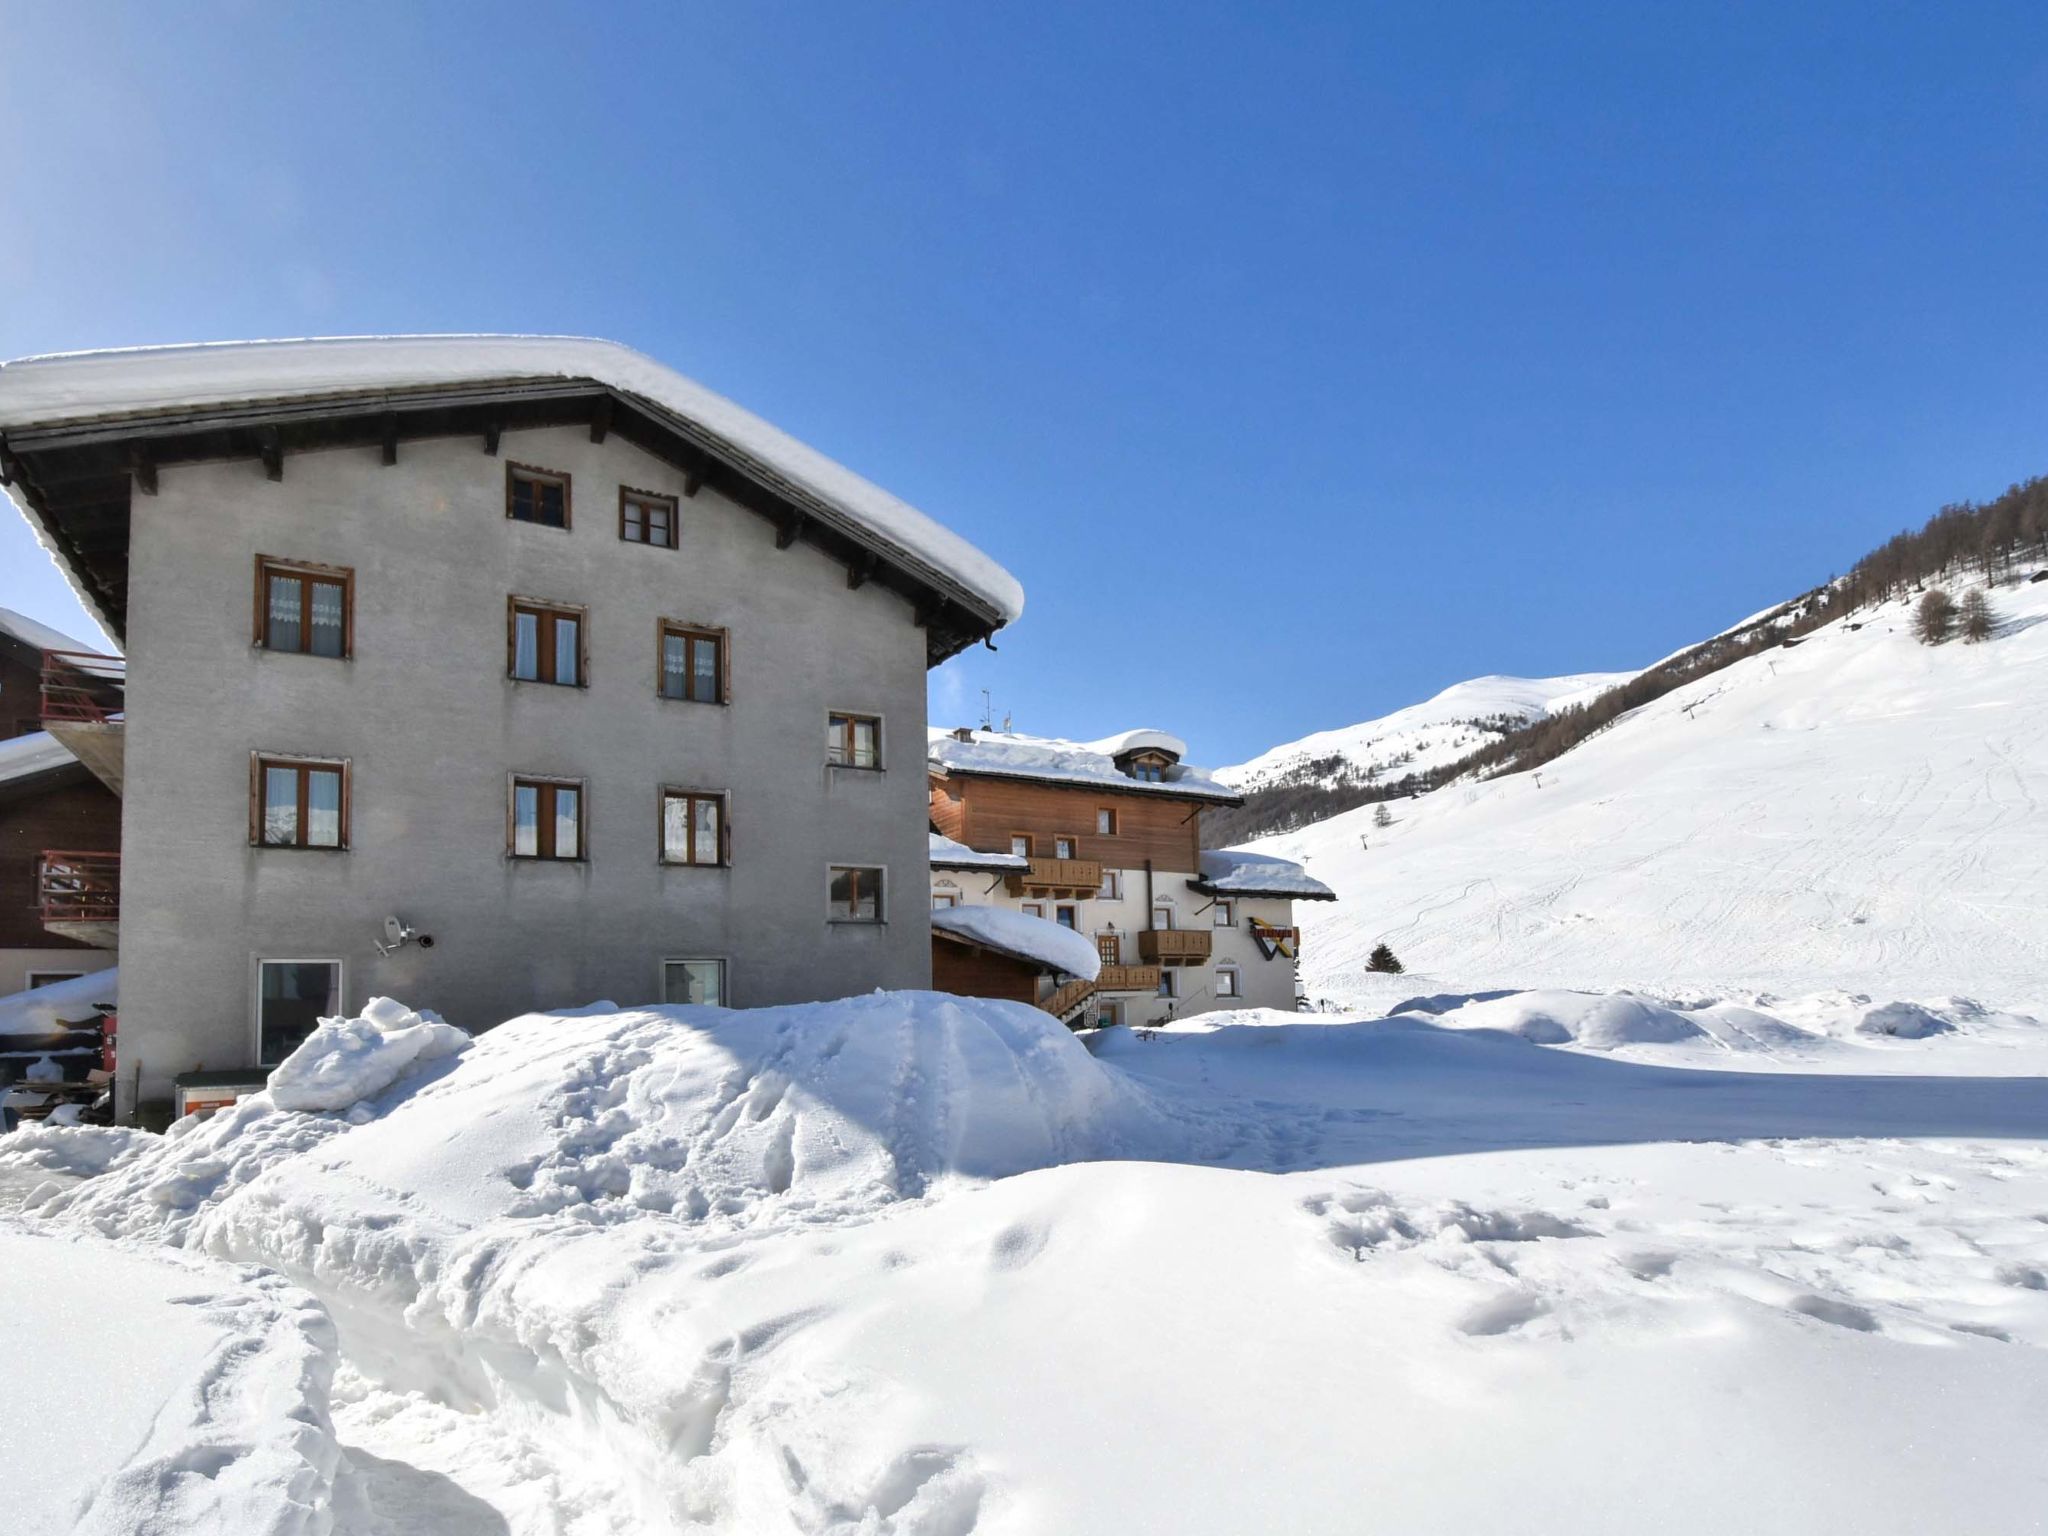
(83,687)
(75,887)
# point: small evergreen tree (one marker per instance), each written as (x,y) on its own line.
(1934,620)
(1977,618)
(1382,960)
(1382,817)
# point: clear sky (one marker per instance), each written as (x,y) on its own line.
(1300,360)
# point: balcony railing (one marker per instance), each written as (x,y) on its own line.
(75,888)
(83,687)
(1173,946)
(1128,978)
(1078,877)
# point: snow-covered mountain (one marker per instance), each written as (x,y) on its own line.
(1438,730)
(1857,810)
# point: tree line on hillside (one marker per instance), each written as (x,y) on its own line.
(1990,540)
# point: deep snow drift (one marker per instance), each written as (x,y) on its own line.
(915,1264)
(1858,809)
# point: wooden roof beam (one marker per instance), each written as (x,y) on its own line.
(390,439)
(270,447)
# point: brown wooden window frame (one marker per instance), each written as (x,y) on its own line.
(304,767)
(1236,976)
(1072,842)
(308,575)
(693,635)
(881,874)
(853,718)
(544,818)
(515,472)
(673,505)
(1226,913)
(1105,821)
(1030,845)
(719,797)
(547,613)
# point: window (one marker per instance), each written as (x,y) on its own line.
(1109,945)
(855,894)
(291,997)
(547,644)
(50,978)
(1226,914)
(305,609)
(1067,916)
(1063,847)
(1162,914)
(697,983)
(853,741)
(1105,823)
(692,664)
(944,899)
(546,820)
(1226,981)
(1034,909)
(692,827)
(646,517)
(536,496)
(1169,982)
(1112,887)
(294,803)
(1149,769)
(1020,846)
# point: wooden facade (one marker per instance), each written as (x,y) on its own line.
(967,970)
(986,813)
(64,809)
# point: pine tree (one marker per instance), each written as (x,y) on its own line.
(1382,960)
(1382,817)
(1934,620)
(1977,618)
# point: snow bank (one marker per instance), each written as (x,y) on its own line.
(45,1010)
(1237,871)
(1597,1021)
(159,1393)
(347,1060)
(72,385)
(1021,935)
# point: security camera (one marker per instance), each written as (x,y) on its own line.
(426,941)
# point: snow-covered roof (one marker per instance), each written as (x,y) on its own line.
(81,386)
(37,635)
(1233,872)
(1022,937)
(1003,754)
(947,854)
(23,757)
(41,1009)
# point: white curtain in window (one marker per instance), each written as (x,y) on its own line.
(526,645)
(323,809)
(675,661)
(280,805)
(565,650)
(675,828)
(707,832)
(526,820)
(565,823)
(284,613)
(327,634)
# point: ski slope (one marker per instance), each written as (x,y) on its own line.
(1858,811)
(1438,730)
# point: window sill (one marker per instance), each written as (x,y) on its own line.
(300,847)
(690,864)
(270,650)
(857,767)
(541,682)
(856,922)
(670,698)
(527,522)
(534,858)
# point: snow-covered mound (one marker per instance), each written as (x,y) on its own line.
(1439,730)
(1856,809)
(345,1061)
(151,1391)
(41,1010)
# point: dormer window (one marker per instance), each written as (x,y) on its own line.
(1149,768)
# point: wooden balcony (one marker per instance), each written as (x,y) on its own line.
(1128,978)
(78,896)
(84,696)
(1174,946)
(1072,878)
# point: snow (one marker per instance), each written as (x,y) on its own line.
(73,385)
(1023,936)
(947,854)
(1439,730)
(1236,871)
(906,1263)
(1006,754)
(35,752)
(156,1392)
(344,1061)
(37,635)
(40,1010)
(1859,810)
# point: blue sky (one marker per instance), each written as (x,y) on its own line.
(1300,360)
